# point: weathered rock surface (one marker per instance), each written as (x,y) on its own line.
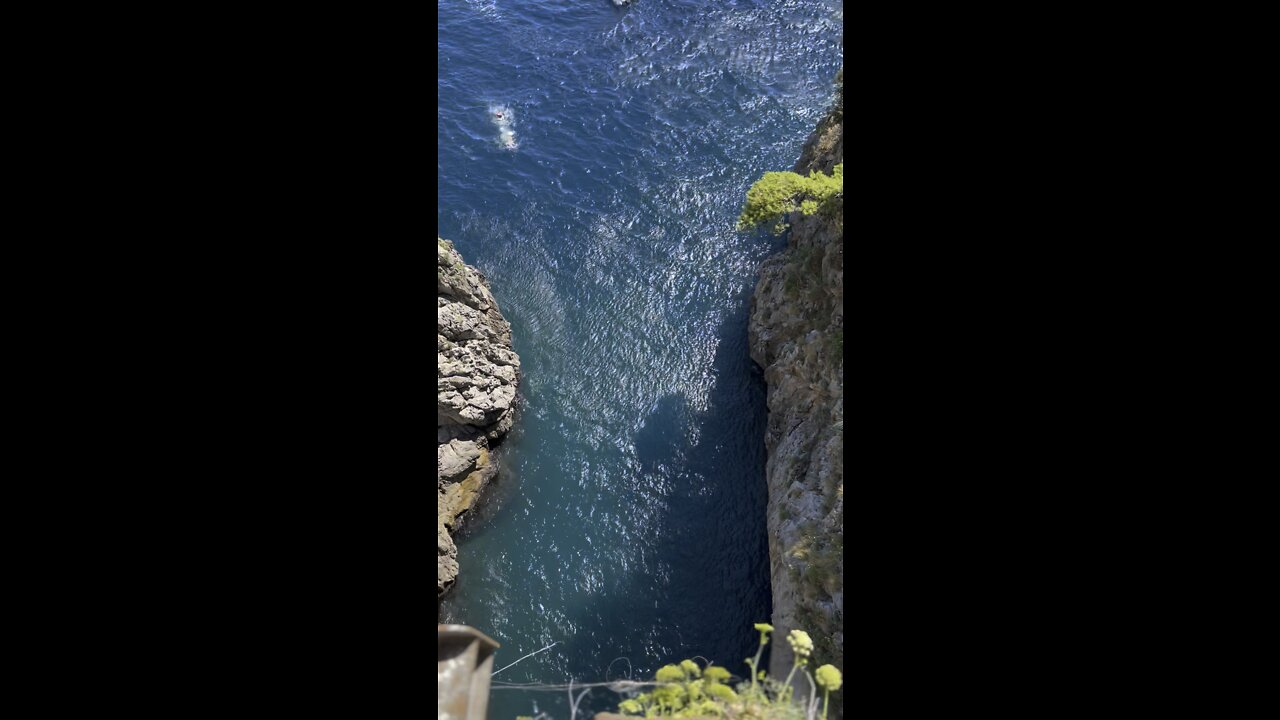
(476,377)
(796,334)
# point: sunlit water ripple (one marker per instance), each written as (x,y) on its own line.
(628,517)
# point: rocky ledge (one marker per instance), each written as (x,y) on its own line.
(796,334)
(476,377)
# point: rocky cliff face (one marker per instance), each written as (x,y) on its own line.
(797,336)
(476,377)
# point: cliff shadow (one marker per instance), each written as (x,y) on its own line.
(661,440)
(712,581)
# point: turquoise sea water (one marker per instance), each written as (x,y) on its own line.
(627,521)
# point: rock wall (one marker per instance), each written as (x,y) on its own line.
(476,377)
(796,334)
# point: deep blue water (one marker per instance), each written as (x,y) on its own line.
(627,520)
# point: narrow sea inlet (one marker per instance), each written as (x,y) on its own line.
(627,521)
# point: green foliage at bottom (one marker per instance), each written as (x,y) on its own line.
(688,690)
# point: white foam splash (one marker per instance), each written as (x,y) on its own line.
(504,117)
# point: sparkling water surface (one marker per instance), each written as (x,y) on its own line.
(626,523)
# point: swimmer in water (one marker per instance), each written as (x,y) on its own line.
(504,119)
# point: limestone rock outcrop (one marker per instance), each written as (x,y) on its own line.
(476,377)
(796,334)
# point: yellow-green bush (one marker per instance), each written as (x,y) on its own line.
(776,194)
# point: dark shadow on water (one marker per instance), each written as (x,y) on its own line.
(660,440)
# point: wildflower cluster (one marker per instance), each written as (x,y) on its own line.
(689,690)
(800,644)
(684,690)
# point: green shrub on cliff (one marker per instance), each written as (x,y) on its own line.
(776,194)
(688,690)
